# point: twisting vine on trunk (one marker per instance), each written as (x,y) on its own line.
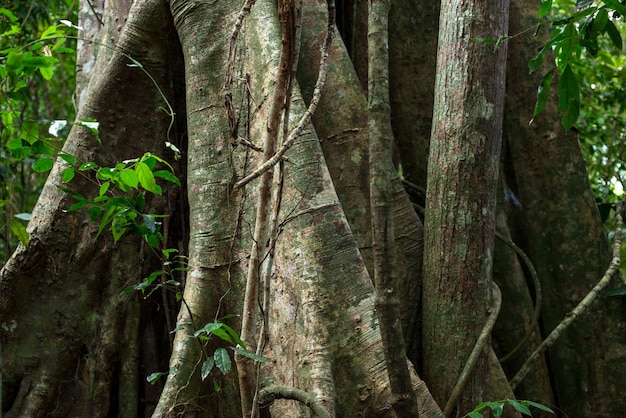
(278,113)
(611,271)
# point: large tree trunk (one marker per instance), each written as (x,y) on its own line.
(461,197)
(560,227)
(72,346)
(70,335)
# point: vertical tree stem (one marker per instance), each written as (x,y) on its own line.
(404,400)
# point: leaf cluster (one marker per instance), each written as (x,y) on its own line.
(497,408)
(37,77)
(121,200)
(570,36)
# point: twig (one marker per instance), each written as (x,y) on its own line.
(538,295)
(581,307)
(317,92)
(473,357)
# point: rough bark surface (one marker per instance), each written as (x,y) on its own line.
(73,347)
(461,196)
(565,239)
(70,336)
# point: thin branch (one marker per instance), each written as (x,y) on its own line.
(473,357)
(317,93)
(538,295)
(282,94)
(230,68)
(612,270)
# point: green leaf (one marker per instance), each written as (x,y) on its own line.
(616,5)
(105,173)
(222,360)
(153,240)
(543,92)
(140,202)
(234,336)
(520,407)
(474,414)
(147,282)
(68,174)
(30,132)
(250,355)
(616,292)
(167,175)
(496,408)
(8,14)
(545,8)
(108,218)
(538,406)
(208,328)
(104,188)
(19,231)
(70,159)
(599,21)
(88,166)
(40,147)
(569,98)
(51,32)
(149,159)
(222,334)
(216,386)
(129,177)
(43,164)
(614,34)
(152,379)
(145,177)
(46,72)
(14,144)
(166,252)
(78,205)
(207,366)
(94,213)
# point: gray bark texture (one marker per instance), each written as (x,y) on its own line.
(303,244)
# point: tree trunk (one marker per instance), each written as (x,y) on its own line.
(461,197)
(80,343)
(562,232)
(72,346)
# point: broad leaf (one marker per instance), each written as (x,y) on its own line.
(545,8)
(19,231)
(43,164)
(543,92)
(207,366)
(614,34)
(538,406)
(569,98)
(222,360)
(145,177)
(520,407)
(248,354)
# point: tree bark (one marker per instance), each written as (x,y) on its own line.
(461,195)
(70,335)
(564,236)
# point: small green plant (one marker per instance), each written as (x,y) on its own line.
(121,198)
(497,407)
(220,357)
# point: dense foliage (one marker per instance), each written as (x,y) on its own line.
(37,79)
